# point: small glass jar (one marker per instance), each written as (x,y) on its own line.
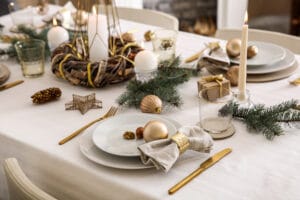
(31,54)
(211,120)
(243,100)
(164,44)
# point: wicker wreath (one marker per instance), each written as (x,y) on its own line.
(70,62)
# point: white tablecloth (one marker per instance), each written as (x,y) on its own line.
(256,169)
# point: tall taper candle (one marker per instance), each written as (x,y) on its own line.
(243,60)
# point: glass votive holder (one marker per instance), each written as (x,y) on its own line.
(243,99)
(164,44)
(31,55)
(211,120)
(145,76)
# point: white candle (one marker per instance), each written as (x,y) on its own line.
(56,35)
(98,37)
(243,60)
(145,61)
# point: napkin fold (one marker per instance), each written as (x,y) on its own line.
(217,58)
(164,153)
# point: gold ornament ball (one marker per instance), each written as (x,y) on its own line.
(155,130)
(233,47)
(128,37)
(233,75)
(151,104)
(149,35)
(252,51)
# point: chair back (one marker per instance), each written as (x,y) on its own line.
(19,186)
(288,41)
(150,17)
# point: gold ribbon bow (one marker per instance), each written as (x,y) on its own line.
(216,78)
(182,141)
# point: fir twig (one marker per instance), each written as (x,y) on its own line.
(163,86)
(265,119)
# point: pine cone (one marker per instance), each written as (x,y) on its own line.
(46,95)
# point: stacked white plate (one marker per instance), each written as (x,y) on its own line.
(106,146)
(272,62)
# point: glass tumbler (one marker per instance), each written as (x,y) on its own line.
(31,54)
(211,120)
(164,44)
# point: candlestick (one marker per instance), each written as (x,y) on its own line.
(56,35)
(98,37)
(243,60)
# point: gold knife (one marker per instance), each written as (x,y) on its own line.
(206,164)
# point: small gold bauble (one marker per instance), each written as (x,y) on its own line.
(155,130)
(233,47)
(128,37)
(252,51)
(233,75)
(151,104)
(80,17)
(149,35)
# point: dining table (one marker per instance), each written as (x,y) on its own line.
(257,168)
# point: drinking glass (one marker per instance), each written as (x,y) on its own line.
(164,44)
(31,54)
(211,120)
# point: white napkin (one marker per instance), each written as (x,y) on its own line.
(218,58)
(164,153)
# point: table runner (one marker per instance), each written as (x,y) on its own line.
(256,169)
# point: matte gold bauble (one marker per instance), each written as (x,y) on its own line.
(233,75)
(155,130)
(149,35)
(233,47)
(128,37)
(151,104)
(252,51)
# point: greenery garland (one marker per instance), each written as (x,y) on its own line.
(164,84)
(265,120)
(30,33)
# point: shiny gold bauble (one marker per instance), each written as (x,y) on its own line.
(252,51)
(80,17)
(151,104)
(155,130)
(233,75)
(233,47)
(128,37)
(149,35)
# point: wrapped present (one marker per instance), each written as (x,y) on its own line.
(214,87)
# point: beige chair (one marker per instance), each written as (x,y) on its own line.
(150,17)
(290,42)
(19,186)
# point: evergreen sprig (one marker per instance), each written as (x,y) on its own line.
(31,34)
(265,120)
(163,85)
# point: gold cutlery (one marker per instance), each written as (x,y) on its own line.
(206,164)
(295,81)
(212,46)
(9,85)
(111,112)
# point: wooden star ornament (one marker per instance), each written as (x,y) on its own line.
(84,103)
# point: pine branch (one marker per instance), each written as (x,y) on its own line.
(163,85)
(262,119)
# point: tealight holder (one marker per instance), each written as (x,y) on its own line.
(243,100)
(145,66)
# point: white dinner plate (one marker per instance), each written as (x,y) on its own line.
(268,53)
(96,155)
(288,61)
(108,136)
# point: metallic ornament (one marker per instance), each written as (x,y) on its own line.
(252,51)
(233,75)
(151,104)
(233,47)
(155,130)
(149,35)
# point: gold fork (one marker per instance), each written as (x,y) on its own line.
(212,46)
(111,112)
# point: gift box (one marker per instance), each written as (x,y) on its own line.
(213,87)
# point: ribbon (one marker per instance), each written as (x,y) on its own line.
(89,74)
(60,66)
(182,141)
(216,78)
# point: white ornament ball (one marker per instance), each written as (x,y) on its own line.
(155,130)
(145,61)
(57,35)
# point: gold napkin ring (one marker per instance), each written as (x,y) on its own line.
(182,141)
